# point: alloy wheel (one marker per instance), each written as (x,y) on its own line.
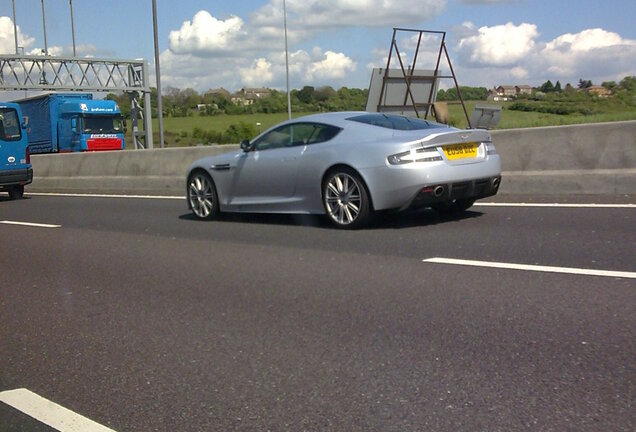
(343,199)
(202,197)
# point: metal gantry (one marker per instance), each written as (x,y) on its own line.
(50,73)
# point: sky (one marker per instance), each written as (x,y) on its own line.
(207,44)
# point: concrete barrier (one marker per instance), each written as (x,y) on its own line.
(152,172)
(595,158)
(591,158)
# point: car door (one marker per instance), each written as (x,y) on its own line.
(267,174)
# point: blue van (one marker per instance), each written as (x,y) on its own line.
(15,162)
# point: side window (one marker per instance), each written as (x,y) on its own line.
(280,137)
(323,133)
(296,134)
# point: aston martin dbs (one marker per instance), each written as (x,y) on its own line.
(348,165)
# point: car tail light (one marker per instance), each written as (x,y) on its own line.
(28,155)
(427,154)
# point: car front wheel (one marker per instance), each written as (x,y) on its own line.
(346,199)
(202,197)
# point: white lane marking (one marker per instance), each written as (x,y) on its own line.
(31,224)
(536,268)
(49,413)
(555,205)
(86,195)
(488,204)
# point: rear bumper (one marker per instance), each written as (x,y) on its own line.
(465,190)
(398,187)
(15,177)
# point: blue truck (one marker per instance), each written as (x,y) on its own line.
(15,163)
(72,122)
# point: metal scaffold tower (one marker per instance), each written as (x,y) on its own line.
(409,77)
(48,73)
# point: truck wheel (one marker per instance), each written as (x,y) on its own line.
(16,192)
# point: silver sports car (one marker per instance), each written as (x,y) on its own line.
(347,165)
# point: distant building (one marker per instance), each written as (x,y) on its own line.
(494,96)
(506,92)
(599,91)
(247,96)
(523,89)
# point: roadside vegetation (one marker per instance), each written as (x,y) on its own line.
(215,118)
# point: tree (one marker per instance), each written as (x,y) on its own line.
(547,87)
(322,94)
(583,84)
(628,83)
(306,95)
(557,87)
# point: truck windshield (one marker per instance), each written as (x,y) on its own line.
(102,124)
(9,125)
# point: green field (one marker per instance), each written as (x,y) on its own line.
(519,119)
(178,131)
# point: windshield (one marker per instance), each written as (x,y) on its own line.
(102,124)
(9,125)
(396,122)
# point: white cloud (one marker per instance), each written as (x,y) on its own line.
(322,14)
(332,66)
(579,55)
(489,57)
(586,41)
(7,37)
(500,45)
(315,68)
(206,34)
(258,74)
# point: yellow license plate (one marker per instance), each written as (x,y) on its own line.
(460,151)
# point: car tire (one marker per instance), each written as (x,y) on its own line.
(16,192)
(346,199)
(202,197)
(453,207)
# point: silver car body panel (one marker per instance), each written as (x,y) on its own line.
(289,179)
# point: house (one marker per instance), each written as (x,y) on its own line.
(599,91)
(494,96)
(247,96)
(506,90)
(523,89)
(511,91)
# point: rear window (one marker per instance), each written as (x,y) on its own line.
(395,122)
(9,125)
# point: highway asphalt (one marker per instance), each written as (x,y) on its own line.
(134,315)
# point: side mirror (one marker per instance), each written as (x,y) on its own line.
(74,125)
(246,146)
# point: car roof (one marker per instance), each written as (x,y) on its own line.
(334,118)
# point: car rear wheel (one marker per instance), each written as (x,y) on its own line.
(346,199)
(16,192)
(455,206)
(202,196)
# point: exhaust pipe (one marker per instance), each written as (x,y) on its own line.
(438,191)
(495,183)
